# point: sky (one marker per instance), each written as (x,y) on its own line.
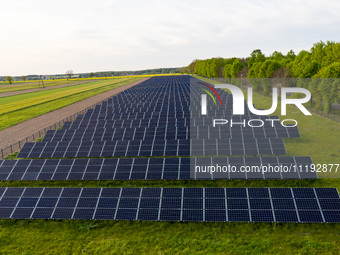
(51,37)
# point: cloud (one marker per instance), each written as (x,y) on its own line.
(50,37)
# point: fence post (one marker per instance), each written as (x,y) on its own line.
(11,149)
(19,145)
(2,153)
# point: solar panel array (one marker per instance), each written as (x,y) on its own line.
(135,129)
(184,147)
(173,204)
(161,117)
(160,120)
(153,168)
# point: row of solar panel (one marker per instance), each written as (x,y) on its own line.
(195,131)
(157,161)
(141,112)
(175,127)
(158,168)
(140,117)
(263,146)
(135,123)
(172,133)
(138,112)
(173,204)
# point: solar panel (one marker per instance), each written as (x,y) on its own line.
(169,204)
(196,147)
(153,169)
(162,117)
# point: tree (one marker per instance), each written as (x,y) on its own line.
(90,75)
(299,64)
(310,69)
(332,71)
(255,57)
(318,52)
(69,73)
(277,56)
(254,70)
(191,67)
(291,55)
(23,78)
(236,68)
(9,79)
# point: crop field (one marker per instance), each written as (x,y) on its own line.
(18,108)
(135,237)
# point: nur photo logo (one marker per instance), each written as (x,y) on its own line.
(238,104)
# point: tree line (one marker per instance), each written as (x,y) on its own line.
(321,61)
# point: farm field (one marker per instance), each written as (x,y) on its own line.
(31,85)
(18,108)
(131,237)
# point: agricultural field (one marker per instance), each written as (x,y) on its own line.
(131,237)
(31,85)
(18,108)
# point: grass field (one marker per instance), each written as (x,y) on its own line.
(30,85)
(128,237)
(16,109)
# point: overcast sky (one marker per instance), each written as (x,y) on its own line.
(49,37)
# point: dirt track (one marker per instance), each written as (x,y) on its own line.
(22,130)
(13,93)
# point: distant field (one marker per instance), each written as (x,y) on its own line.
(30,85)
(16,109)
(34,84)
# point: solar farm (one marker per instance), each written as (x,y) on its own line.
(155,131)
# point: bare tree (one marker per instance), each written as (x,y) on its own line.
(9,79)
(69,73)
(23,78)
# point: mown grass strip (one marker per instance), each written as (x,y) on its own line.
(127,237)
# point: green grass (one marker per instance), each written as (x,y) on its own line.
(128,237)
(30,85)
(16,109)
(125,237)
